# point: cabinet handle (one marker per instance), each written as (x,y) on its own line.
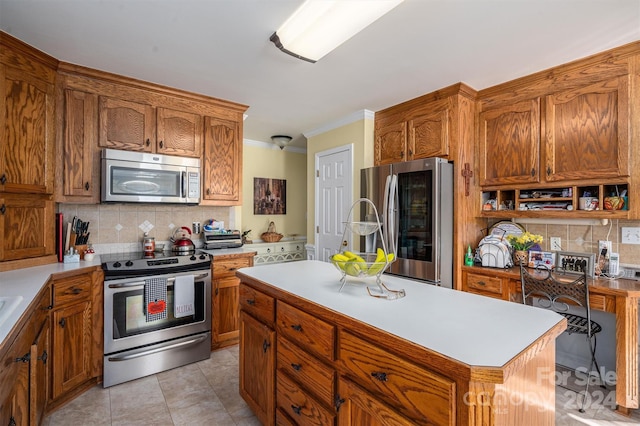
(297,327)
(208,191)
(548,170)
(48,308)
(62,322)
(533,172)
(481,283)
(25,358)
(76,290)
(380,376)
(12,421)
(86,186)
(296,409)
(338,402)
(410,153)
(148,142)
(161,144)
(296,367)
(3,209)
(251,302)
(3,179)
(44,357)
(265,346)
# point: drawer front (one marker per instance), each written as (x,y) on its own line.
(265,248)
(71,290)
(416,392)
(228,267)
(257,303)
(306,370)
(484,283)
(306,330)
(301,407)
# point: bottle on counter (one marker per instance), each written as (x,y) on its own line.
(468,257)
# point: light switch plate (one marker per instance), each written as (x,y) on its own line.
(630,235)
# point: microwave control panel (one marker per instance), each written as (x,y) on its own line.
(194,185)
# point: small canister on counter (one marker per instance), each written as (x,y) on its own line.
(148,244)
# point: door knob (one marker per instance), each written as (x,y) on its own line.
(345,243)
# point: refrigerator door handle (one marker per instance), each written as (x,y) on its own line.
(385,215)
(394,222)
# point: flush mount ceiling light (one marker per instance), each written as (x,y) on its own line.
(319,26)
(281,140)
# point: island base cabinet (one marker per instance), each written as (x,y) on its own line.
(257,367)
(358,407)
(299,406)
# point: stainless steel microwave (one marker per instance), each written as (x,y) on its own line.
(137,177)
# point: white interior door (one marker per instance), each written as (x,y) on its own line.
(334,196)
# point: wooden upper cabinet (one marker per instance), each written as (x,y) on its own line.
(126,125)
(587,132)
(390,141)
(179,133)
(80,156)
(27,132)
(222,162)
(509,144)
(26,226)
(429,132)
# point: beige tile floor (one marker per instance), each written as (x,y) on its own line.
(206,393)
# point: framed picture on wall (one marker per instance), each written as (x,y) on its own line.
(269,196)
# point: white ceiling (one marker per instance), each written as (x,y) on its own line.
(221,48)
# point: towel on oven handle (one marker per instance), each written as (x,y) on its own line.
(155,298)
(183,296)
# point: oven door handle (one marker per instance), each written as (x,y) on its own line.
(139,283)
(191,342)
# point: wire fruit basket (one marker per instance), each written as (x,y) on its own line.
(363,266)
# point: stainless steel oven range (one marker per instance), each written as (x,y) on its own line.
(157,313)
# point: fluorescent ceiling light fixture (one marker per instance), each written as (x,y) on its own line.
(319,26)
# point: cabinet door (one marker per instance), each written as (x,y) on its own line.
(179,133)
(222,162)
(126,125)
(509,138)
(80,161)
(26,226)
(71,347)
(257,367)
(429,133)
(39,371)
(225,311)
(587,133)
(27,133)
(390,141)
(358,407)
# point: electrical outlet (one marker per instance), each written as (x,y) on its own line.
(555,243)
(602,245)
(630,235)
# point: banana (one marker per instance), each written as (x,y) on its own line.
(353,268)
(340,260)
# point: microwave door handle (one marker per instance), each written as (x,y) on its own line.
(183,185)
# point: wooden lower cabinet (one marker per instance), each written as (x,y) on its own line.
(257,367)
(358,407)
(24,367)
(224,298)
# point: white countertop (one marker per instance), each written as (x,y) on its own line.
(472,329)
(27,283)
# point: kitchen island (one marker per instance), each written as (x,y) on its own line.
(436,356)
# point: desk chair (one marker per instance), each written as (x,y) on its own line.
(557,295)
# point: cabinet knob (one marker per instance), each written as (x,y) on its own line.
(86,186)
(3,209)
(296,367)
(3,179)
(76,290)
(482,283)
(208,191)
(251,302)
(161,144)
(548,170)
(148,142)
(296,409)
(338,402)
(62,322)
(533,172)
(12,421)
(265,346)
(25,358)
(297,327)
(44,357)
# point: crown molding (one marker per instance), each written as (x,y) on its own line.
(363,114)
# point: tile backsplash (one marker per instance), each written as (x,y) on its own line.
(584,238)
(121,227)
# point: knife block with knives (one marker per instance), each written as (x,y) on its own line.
(77,236)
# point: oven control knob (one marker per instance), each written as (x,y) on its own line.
(193,257)
(129,263)
(117,265)
(202,257)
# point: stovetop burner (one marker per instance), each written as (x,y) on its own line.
(140,263)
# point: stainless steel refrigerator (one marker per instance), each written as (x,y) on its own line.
(415,202)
